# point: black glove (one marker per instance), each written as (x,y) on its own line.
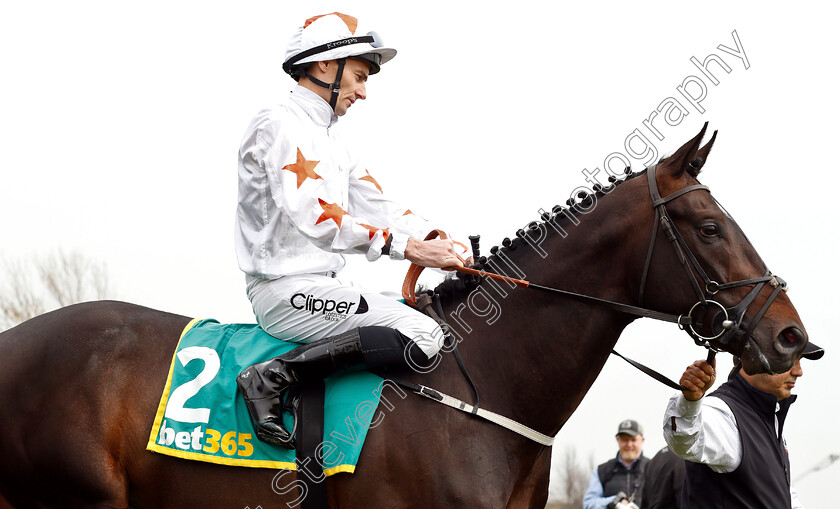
(620,497)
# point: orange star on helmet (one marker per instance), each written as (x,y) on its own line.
(303,168)
(351,22)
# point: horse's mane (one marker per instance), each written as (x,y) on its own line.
(512,249)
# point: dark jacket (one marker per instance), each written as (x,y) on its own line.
(664,477)
(616,477)
(763,477)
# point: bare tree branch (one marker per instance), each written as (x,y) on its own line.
(19,301)
(72,277)
(65,278)
(574,479)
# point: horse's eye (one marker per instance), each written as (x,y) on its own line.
(709,230)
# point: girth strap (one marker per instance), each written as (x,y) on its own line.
(430,304)
(493,417)
(310,435)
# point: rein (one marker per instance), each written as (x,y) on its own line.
(731,331)
(414,271)
(617,306)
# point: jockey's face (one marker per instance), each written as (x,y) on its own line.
(352,82)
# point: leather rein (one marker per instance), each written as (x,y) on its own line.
(730,331)
(729,321)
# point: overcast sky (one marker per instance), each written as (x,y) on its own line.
(120,122)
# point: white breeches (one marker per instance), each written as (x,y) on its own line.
(307,307)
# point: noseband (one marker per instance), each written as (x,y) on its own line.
(727,324)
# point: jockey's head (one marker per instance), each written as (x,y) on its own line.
(327,44)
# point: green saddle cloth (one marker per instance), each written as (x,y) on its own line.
(202,417)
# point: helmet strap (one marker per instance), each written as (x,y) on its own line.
(335,86)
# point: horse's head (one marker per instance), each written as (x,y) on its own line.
(700,255)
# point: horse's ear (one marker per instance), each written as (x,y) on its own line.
(678,162)
(701,157)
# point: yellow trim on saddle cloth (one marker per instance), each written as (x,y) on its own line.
(339,469)
(188,455)
(152,445)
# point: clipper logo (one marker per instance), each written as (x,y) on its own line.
(331,309)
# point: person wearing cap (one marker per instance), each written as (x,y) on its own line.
(305,202)
(618,483)
(733,440)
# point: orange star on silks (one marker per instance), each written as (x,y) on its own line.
(372,180)
(409,212)
(331,211)
(303,169)
(372,231)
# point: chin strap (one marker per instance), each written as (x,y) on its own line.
(335,86)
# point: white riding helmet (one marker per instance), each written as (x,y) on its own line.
(332,37)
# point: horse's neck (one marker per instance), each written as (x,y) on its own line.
(535,355)
(536,362)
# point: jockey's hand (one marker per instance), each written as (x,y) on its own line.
(435,253)
(698,378)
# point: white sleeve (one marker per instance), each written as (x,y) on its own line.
(703,431)
(367,199)
(298,189)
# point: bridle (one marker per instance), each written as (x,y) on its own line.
(727,323)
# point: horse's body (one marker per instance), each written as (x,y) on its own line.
(79,386)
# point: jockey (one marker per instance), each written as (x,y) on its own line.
(305,201)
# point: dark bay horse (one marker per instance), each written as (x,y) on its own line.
(79,386)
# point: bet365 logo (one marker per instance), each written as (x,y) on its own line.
(230,443)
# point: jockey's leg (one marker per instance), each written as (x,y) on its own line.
(358,329)
(263,384)
(306,307)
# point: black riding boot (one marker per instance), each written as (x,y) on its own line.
(263,384)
